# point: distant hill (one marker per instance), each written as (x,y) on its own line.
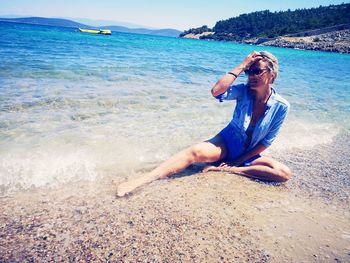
(101,22)
(159,32)
(44,21)
(69,23)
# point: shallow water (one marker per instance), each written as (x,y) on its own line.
(76,107)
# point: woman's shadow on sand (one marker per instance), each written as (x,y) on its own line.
(197,168)
(191,170)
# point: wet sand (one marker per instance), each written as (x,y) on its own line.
(213,217)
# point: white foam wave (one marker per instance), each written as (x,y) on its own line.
(44,168)
(54,163)
(304,134)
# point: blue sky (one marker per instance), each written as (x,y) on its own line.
(178,14)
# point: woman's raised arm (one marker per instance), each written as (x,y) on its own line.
(222,85)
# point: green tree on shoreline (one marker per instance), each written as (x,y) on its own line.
(266,24)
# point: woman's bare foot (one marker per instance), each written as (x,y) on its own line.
(129,186)
(125,188)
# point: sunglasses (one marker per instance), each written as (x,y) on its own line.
(255,71)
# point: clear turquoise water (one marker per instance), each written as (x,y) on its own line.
(76,106)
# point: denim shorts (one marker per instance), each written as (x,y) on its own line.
(250,160)
(234,143)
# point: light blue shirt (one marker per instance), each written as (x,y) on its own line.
(268,126)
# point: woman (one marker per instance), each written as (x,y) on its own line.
(257,119)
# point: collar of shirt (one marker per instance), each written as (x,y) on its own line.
(272,99)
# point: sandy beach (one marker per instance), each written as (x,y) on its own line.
(194,217)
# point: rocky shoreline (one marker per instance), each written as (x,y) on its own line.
(338,41)
(335,41)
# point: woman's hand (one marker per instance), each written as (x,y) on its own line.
(234,163)
(250,60)
(221,168)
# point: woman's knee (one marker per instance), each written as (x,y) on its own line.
(203,152)
(281,171)
(284,172)
(197,152)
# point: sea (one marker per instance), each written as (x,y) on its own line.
(81,107)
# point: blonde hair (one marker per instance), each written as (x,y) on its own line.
(271,61)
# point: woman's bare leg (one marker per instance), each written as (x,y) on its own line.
(263,168)
(208,151)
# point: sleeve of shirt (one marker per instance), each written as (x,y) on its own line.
(234,92)
(276,126)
